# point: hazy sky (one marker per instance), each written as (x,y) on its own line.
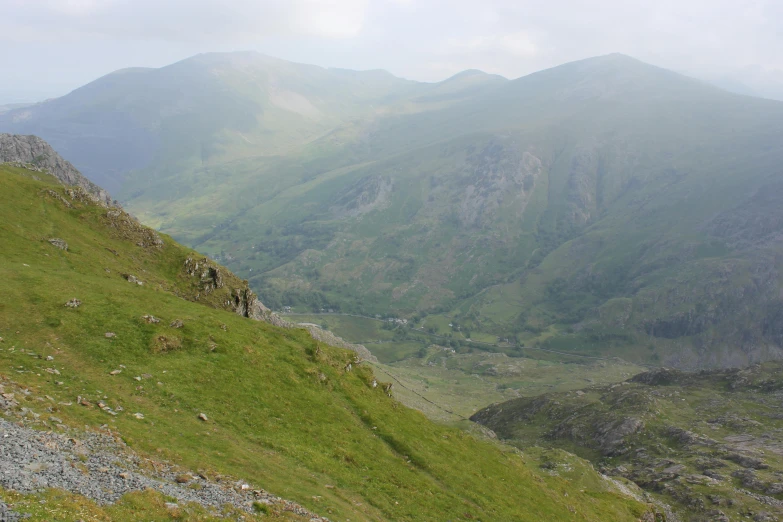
(50,47)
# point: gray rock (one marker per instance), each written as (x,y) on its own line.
(34,152)
(133,279)
(716,515)
(59,243)
(747,462)
(31,460)
(6,515)
(775,488)
(675,470)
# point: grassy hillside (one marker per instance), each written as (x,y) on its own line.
(285,413)
(708,444)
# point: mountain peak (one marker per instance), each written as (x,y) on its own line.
(472,76)
(471,73)
(608,75)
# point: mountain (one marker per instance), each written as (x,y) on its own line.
(134,384)
(708,443)
(604,207)
(208,109)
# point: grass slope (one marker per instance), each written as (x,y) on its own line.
(285,413)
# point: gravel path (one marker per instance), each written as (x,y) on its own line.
(102,469)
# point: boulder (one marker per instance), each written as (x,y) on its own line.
(59,243)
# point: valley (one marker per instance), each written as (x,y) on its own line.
(605,206)
(326,294)
(448,383)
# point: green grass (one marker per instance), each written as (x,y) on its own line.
(355,329)
(143,506)
(284,413)
(472,377)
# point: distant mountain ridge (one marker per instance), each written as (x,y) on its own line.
(203,110)
(605,206)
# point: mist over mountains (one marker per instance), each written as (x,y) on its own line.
(604,206)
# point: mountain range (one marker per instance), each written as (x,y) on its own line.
(602,207)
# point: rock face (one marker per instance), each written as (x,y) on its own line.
(35,153)
(212,283)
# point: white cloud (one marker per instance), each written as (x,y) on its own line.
(419,39)
(187,20)
(329,18)
(77,7)
(516,44)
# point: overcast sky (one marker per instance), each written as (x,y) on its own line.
(50,47)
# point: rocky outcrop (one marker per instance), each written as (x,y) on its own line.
(211,283)
(209,274)
(59,243)
(694,438)
(34,153)
(127,227)
(246,304)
